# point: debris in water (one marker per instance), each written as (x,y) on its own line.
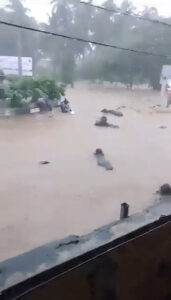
(102,122)
(121,107)
(112,112)
(163,127)
(101,161)
(69,243)
(165,190)
(45,162)
(71,240)
(154,106)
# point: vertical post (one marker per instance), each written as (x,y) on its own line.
(163,95)
(124,213)
(19,52)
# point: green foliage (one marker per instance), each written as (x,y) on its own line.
(33,89)
(36,93)
(2,94)
(12,78)
(49,88)
(16,100)
(69,58)
(129,68)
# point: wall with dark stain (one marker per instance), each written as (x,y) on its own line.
(137,270)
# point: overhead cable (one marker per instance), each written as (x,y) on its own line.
(128,14)
(79,39)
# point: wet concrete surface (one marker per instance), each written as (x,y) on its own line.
(29,264)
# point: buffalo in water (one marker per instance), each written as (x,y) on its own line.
(112,112)
(102,122)
(101,160)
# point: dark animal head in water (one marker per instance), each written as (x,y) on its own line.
(105,111)
(45,162)
(99,152)
(165,190)
(102,122)
(103,119)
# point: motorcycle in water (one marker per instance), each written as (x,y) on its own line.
(65,107)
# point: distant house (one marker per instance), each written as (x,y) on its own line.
(165,73)
(164,78)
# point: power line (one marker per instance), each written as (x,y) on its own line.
(82,40)
(127,14)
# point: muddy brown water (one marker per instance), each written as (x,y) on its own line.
(72,195)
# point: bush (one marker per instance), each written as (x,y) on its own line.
(49,88)
(16,100)
(2,94)
(34,89)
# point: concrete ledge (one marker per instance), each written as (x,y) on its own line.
(61,255)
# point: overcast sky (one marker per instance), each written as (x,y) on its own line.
(41,8)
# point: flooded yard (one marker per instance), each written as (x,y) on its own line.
(72,195)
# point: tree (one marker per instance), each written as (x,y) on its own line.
(70,59)
(68,18)
(129,32)
(15,40)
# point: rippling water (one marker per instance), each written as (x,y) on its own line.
(72,195)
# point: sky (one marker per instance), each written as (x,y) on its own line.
(41,8)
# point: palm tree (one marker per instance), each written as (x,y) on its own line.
(70,18)
(18,9)
(23,39)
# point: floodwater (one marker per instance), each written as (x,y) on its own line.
(72,195)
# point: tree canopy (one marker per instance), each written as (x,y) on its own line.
(69,59)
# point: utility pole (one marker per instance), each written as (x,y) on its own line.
(19,52)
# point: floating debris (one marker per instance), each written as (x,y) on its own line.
(154,106)
(121,107)
(112,112)
(69,241)
(45,162)
(163,127)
